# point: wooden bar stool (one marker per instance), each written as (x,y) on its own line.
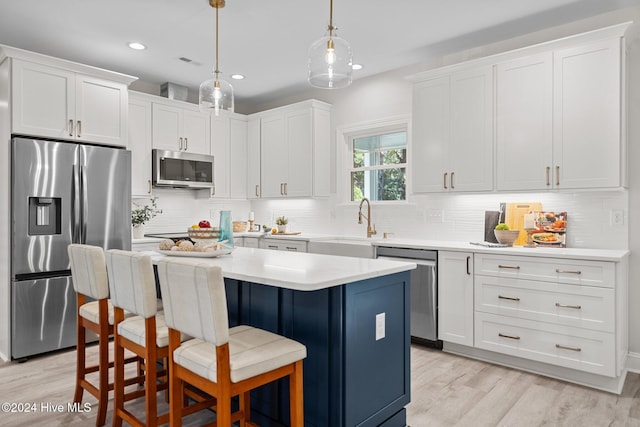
(132,286)
(89,274)
(220,361)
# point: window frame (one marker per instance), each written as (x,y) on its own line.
(348,134)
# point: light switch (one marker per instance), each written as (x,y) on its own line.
(380,326)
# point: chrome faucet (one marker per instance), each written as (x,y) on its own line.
(370,231)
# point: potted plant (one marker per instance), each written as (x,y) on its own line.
(140,216)
(282,222)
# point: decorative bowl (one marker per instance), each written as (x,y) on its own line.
(506,237)
(203,233)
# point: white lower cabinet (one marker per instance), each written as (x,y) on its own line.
(284,245)
(455,297)
(251,242)
(558,311)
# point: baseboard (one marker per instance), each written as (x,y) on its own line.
(633,362)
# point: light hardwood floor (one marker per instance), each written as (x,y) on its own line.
(446,390)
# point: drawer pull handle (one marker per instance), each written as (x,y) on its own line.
(513,267)
(272,247)
(568,271)
(291,248)
(577,307)
(510,298)
(513,337)
(568,348)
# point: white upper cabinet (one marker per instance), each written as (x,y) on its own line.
(587,103)
(294,146)
(253,159)
(59,103)
(229,148)
(523,123)
(452,141)
(179,126)
(140,145)
(559,119)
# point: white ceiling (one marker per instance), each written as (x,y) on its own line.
(268,40)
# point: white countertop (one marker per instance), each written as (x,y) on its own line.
(574,253)
(295,270)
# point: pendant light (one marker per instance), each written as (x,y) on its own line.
(216,94)
(330,59)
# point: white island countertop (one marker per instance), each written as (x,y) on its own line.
(295,270)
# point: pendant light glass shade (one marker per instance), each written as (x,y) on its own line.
(216,94)
(330,61)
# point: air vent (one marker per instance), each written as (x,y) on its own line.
(183,59)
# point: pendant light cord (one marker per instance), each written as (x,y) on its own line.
(331,28)
(216,70)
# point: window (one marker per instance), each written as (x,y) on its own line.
(378,166)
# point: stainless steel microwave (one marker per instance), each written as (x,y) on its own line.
(180,169)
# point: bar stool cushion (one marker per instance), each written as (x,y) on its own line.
(133,329)
(90,311)
(252,352)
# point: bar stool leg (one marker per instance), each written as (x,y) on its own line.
(80,361)
(103,363)
(296,403)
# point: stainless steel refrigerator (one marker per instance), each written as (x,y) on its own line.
(62,193)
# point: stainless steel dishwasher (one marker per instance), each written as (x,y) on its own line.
(424,291)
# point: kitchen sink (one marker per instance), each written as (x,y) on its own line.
(348,246)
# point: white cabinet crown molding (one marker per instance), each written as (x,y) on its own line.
(617,30)
(12,52)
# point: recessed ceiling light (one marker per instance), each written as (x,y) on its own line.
(237,76)
(356,67)
(137,46)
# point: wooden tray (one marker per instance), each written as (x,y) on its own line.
(289,233)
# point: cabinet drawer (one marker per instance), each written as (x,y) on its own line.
(575,348)
(284,245)
(579,272)
(571,305)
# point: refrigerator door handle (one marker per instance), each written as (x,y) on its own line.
(75,206)
(85,208)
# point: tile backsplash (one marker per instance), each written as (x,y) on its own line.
(458,217)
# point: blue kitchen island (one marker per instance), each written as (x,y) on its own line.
(352,314)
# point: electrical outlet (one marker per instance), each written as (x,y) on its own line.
(380,326)
(435,216)
(617,217)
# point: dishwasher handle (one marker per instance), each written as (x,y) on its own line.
(425,262)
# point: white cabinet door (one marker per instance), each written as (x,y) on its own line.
(455,297)
(299,180)
(452,141)
(101,111)
(180,127)
(196,131)
(167,123)
(238,158)
(523,123)
(587,116)
(253,159)
(470,152)
(56,103)
(220,149)
(43,100)
(431,134)
(274,156)
(140,146)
